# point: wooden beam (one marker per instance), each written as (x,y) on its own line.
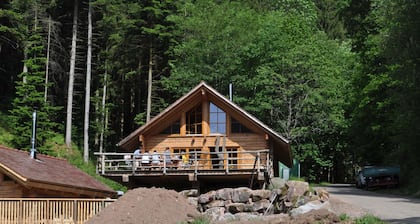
(182,124)
(205,116)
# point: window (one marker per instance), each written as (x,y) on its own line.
(237,127)
(232,158)
(217,120)
(172,129)
(194,119)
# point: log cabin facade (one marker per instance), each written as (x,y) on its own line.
(45,177)
(201,139)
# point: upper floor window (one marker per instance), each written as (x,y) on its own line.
(237,127)
(217,120)
(194,120)
(174,128)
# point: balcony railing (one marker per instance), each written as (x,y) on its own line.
(198,162)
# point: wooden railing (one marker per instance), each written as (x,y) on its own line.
(198,162)
(49,211)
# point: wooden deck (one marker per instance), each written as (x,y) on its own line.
(244,166)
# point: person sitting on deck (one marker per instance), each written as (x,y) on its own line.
(155,159)
(168,159)
(136,156)
(145,159)
(185,161)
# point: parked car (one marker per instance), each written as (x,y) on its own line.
(373,176)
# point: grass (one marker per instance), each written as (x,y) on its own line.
(74,156)
(369,219)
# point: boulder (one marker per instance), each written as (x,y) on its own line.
(207,197)
(227,217)
(297,188)
(193,201)
(323,194)
(246,216)
(215,213)
(313,205)
(189,193)
(261,206)
(258,195)
(241,195)
(224,194)
(215,203)
(277,183)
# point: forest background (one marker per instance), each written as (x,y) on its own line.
(338,78)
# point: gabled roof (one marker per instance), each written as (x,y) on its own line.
(132,140)
(49,173)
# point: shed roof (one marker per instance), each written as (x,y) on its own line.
(282,145)
(49,173)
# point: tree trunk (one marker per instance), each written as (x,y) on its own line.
(71,77)
(103,113)
(87,96)
(47,63)
(149,85)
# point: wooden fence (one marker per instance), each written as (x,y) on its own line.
(49,211)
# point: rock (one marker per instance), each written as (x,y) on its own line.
(214,213)
(245,216)
(277,183)
(261,206)
(207,197)
(227,217)
(189,193)
(258,195)
(297,188)
(313,205)
(241,195)
(193,201)
(323,194)
(215,203)
(224,194)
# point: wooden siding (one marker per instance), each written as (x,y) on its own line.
(248,141)
(10,189)
(31,210)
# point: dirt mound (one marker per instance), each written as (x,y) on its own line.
(147,205)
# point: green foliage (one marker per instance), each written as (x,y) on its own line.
(30,97)
(74,156)
(343,217)
(5,129)
(368,219)
(284,71)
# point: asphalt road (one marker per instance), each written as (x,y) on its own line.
(390,208)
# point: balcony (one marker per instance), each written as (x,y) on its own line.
(249,165)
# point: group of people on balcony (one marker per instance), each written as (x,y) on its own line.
(156,160)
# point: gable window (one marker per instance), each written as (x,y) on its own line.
(172,129)
(193,120)
(217,120)
(237,127)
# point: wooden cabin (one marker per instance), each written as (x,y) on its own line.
(45,177)
(202,139)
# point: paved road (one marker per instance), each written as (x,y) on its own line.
(393,209)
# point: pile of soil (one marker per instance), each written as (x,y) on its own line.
(147,205)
